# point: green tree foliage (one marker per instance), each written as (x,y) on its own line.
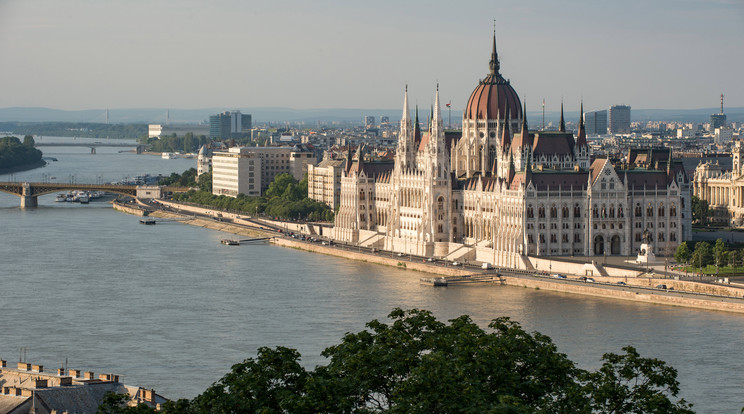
(186,144)
(682,255)
(187,179)
(719,251)
(285,198)
(76,129)
(700,210)
(702,255)
(28,141)
(14,153)
(417,364)
(631,384)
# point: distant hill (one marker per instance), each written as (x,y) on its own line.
(311,116)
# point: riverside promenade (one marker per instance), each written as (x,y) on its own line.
(637,286)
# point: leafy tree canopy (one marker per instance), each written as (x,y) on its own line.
(417,364)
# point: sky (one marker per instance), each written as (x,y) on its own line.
(92,54)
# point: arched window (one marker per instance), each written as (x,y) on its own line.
(541,212)
(530,212)
(649,210)
(612,211)
(553,211)
(661,210)
(673,210)
(638,210)
(620,211)
(565,212)
(577,210)
(595,211)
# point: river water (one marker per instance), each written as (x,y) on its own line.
(169,307)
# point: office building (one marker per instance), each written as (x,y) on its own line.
(618,119)
(596,122)
(230,125)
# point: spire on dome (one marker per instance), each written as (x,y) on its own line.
(436,116)
(581,138)
(562,126)
(494,64)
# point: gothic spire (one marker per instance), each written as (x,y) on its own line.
(436,116)
(416,130)
(494,64)
(405,118)
(562,126)
(581,138)
(506,136)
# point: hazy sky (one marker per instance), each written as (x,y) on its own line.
(89,54)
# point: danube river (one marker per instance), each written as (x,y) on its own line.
(169,307)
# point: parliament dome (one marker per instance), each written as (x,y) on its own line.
(494,96)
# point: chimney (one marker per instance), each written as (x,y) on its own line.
(75,373)
(24,366)
(89,375)
(3,363)
(37,368)
(61,372)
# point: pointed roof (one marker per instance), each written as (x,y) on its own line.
(416,130)
(506,134)
(493,64)
(523,138)
(581,138)
(405,118)
(562,126)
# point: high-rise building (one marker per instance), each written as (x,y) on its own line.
(718,120)
(596,122)
(369,121)
(230,125)
(618,120)
(384,120)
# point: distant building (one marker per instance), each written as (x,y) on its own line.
(324,181)
(718,120)
(369,121)
(230,125)
(596,122)
(619,119)
(250,170)
(685,133)
(161,130)
(384,120)
(723,135)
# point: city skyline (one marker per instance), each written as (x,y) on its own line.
(82,54)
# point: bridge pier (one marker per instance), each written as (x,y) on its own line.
(28,200)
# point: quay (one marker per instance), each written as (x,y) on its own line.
(639,285)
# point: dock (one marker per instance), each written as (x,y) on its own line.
(461,280)
(229,242)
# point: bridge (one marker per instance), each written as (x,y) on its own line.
(29,192)
(92,146)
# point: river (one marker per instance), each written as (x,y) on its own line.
(169,307)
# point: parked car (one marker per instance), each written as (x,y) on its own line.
(661,286)
(558,276)
(486,266)
(590,280)
(621,283)
(455,263)
(400,255)
(431,260)
(582,279)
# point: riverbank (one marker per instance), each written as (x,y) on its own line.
(682,293)
(24,167)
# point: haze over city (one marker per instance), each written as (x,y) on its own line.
(84,54)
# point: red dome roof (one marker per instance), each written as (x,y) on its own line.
(494,97)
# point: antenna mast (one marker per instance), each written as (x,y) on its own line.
(721,103)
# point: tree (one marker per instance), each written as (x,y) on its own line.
(28,141)
(417,364)
(700,210)
(719,250)
(682,255)
(280,184)
(631,384)
(702,255)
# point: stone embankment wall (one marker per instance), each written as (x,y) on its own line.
(129,208)
(660,297)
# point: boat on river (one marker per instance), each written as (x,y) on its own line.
(228,242)
(61,198)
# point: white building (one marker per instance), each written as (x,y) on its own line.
(250,170)
(499,192)
(723,135)
(237,171)
(324,181)
(160,130)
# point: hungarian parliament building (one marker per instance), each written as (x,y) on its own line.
(499,192)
